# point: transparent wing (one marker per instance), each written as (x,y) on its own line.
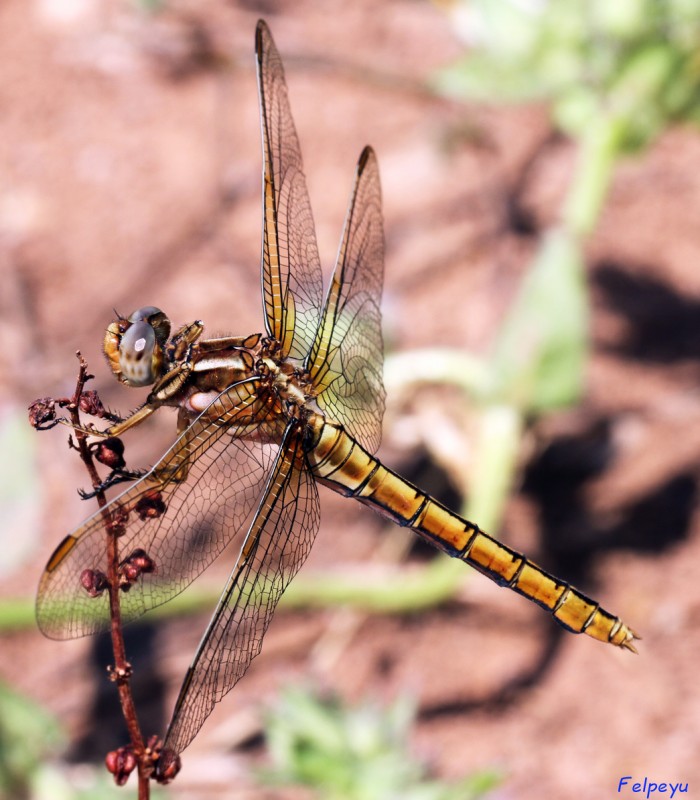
(291,270)
(183,513)
(277,544)
(347,356)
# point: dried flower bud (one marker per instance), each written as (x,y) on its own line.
(118,519)
(132,567)
(42,411)
(121,763)
(120,674)
(91,404)
(110,452)
(167,766)
(93,581)
(128,575)
(151,505)
(142,560)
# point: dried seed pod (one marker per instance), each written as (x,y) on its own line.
(132,567)
(94,582)
(167,766)
(42,411)
(91,404)
(110,452)
(118,519)
(121,763)
(151,505)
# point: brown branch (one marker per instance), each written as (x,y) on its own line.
(146,757)
(120,672)
(137,754)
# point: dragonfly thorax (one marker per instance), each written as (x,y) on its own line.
(291,383)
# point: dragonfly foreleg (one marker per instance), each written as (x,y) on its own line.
(115,477)
(176,468)
(163,393)
(114,430)
(168,386)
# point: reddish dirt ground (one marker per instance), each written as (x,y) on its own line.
(129,151)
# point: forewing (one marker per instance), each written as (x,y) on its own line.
(291,270)
(347,356)
(201,515)
(277,544)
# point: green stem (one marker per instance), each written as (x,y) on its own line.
(598,150)
(16,614)
(405,592)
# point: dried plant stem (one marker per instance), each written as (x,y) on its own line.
(121,671)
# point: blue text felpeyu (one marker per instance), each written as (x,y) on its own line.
(650,788)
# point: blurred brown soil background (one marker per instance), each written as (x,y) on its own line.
(130,175)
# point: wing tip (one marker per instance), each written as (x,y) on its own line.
(262,32)
(366,156)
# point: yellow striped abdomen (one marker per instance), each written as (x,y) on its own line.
(341,463)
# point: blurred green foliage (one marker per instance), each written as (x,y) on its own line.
(358,753)
(27,734)
(635,61)
(29,739)
(616,74)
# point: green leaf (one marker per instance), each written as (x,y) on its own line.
(576,109)
(373,763)
(634,61)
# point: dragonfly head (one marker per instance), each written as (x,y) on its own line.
(134,346)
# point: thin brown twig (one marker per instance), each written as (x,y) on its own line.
(120,672)
(146,757)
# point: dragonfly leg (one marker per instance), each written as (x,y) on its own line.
(178,466)
(229,343)
(118,428)
(164,391)
(115,477)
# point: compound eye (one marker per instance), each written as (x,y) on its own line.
(156,319)
(140,359)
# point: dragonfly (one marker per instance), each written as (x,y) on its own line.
(262,421)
